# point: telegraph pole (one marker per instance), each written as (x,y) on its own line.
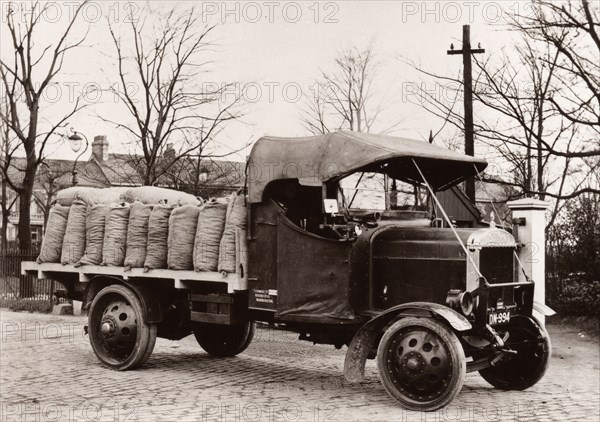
(466,52)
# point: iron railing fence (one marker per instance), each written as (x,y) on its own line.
(23,292)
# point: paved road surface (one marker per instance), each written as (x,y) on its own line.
(48,372)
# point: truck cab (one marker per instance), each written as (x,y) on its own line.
(345,248)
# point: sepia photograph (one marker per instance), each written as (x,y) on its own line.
(310,210)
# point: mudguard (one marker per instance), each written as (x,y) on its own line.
(543,309)
(150,303)
(367,337)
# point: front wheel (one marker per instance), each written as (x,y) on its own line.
(421,363)
(119,335)
(224,340)
(519,371)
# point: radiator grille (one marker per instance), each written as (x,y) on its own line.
(496,265)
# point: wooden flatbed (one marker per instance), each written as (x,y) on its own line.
(181,279)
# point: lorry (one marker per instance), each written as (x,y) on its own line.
(396,282)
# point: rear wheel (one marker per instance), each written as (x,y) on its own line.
(119,335)
(224,340)
(421,363)
(525,368)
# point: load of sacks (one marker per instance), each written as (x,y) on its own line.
(144,227)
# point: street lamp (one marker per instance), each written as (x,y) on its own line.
(203,176)
(76,141)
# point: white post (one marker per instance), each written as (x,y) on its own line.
(531,232)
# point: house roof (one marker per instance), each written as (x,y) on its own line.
(58,172)
(119,170)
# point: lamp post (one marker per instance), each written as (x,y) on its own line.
(76,141)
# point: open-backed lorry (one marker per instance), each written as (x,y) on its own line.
(395,282)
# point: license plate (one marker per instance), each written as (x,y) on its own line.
(499,317)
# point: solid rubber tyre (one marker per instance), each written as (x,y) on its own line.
(119,335)
(523,370)
(421,363)
(224,340)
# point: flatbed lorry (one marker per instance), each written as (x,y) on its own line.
(400,284)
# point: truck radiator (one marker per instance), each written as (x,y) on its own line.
(496,265)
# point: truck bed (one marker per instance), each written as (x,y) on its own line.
(181,279)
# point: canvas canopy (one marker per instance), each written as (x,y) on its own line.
(318,159)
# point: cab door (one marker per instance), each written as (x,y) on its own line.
(312,275)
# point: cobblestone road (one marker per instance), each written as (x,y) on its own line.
(48,372)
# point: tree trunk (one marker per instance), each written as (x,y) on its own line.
(529,175)
(25,195)
(540,164)
(25,283)
(4,231)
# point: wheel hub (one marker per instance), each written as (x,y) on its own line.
(413,363)
(107,328)
(118,328)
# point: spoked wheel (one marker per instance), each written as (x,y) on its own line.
(120,337)
(224,340)
(421,363)
(525,368)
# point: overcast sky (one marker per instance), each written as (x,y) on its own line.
(275,50)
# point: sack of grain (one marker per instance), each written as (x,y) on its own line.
(55,231)
(94,235)
(115,235)
(236,219)
(211,223)
(158,235)
(67,196)
(153,195)
(137,235)
(74,240)
(91,196)
(182,231)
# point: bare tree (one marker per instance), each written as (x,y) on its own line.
(7,150)
(544,149)
(345,98)
(160,66)
(27,70)
(570,32)
(204,176)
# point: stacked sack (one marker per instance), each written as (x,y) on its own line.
(115,235)
(137,235)
(90,196)
(236,219)
(74,239)
(52,244)
(211,223)
(94,235)
(155,195)
(177,231)
(182,232)
(158,235)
